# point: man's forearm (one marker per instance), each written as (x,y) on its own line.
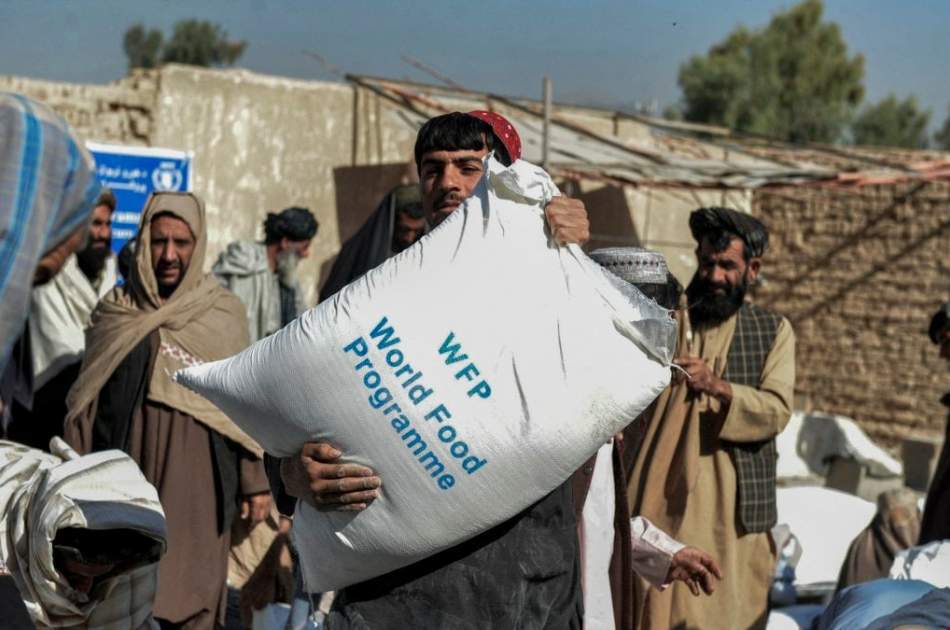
(653,551)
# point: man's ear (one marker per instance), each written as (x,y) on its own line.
(752,270)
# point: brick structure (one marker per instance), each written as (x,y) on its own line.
(120,112)
(859,271)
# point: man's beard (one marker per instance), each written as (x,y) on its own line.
(287,262)
(165,291)
(707,307)
(92,259)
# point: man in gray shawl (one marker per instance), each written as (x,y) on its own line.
(264,275)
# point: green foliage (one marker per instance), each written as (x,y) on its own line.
(201,43)
(672,112)
(194,42)
(892,123)
(792,80)
(942,137)
(142,47)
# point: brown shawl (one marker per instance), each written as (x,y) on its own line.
(895,527)
(200,322)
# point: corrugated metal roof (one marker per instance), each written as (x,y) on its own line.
(666,154)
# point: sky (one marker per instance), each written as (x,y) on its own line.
(610,53)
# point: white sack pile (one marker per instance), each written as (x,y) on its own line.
(810,441)
(825,522)
(474,372)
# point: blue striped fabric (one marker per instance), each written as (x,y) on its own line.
(47,188)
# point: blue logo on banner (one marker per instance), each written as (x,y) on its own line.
(167,177)
(133,173)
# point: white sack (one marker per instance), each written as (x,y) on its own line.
(825,521)
(813,440)
(508,361)
(929,563)
(790,464)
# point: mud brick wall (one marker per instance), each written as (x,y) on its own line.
(859,271)
(120,112)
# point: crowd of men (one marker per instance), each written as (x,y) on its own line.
(666,526)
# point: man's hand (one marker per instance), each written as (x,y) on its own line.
(696,569)
(703,380)
(567,219)
(285,524)
(255,507)
(313,477)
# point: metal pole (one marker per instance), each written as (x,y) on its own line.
(545,138)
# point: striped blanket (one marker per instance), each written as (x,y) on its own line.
(42,493)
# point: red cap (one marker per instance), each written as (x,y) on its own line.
(504,131)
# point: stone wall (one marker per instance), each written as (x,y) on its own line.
(120,112)
(261,144)
(859,271)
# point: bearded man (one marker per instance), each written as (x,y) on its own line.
(264,275)
(705,472)
(168,316)
(60,312)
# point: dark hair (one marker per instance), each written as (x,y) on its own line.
(666,295)
(720,240)
(458,132)
(939,322)
(412,210)
(126,259)
(407,199)
(294,223)
(719,225)
(106,546)
(106,198)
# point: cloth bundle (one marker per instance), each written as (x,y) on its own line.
(41,494)
(474,372)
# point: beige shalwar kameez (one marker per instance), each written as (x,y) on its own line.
(686,484)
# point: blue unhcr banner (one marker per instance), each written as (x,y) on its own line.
(133,173)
